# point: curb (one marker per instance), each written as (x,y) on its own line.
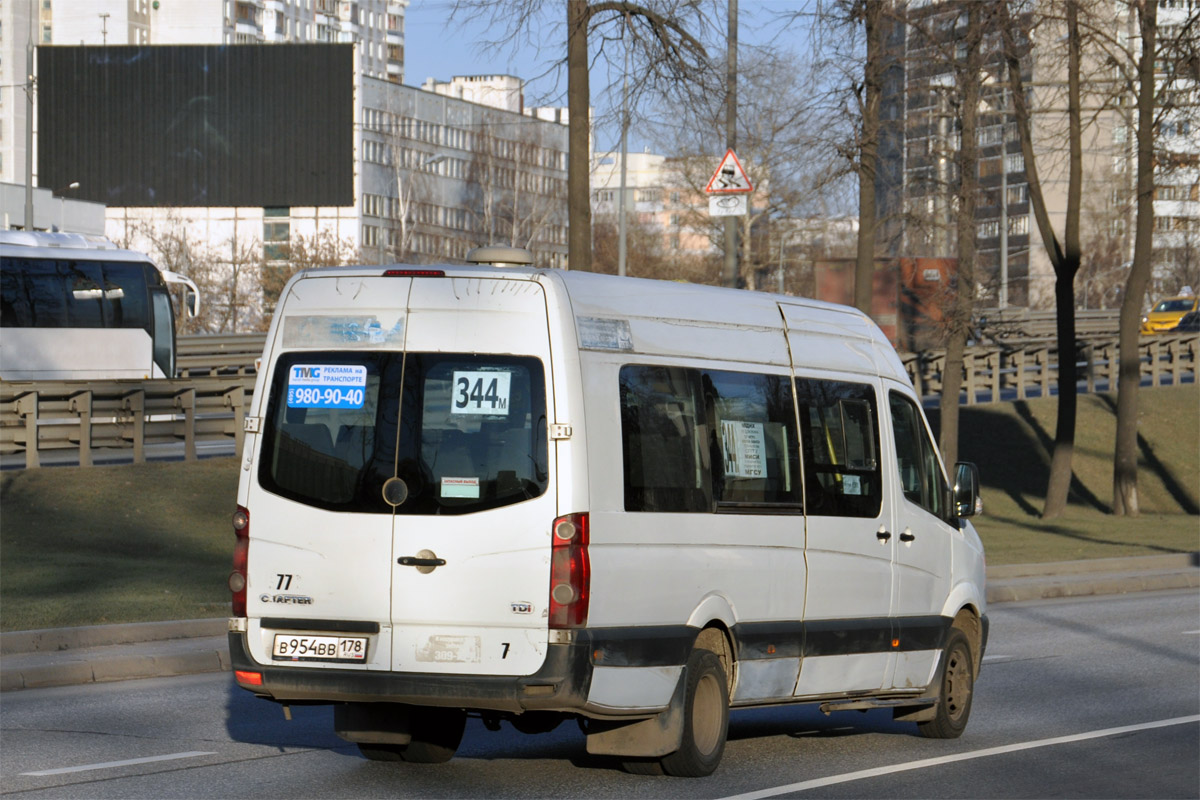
(101,653)
(1012,583)
(118,662)
(58,639)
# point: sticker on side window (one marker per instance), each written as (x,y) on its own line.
(745,446)
(326,386)
(480,393)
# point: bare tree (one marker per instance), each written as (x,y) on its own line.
(871,14)
(322,249)
(1065,255)
(775,136)
(1125,494)
(666,57)
(968,79)
(227,276)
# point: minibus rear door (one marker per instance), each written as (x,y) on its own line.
(471,549)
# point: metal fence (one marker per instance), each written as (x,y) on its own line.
(84,416)
(209,404)
(992,373)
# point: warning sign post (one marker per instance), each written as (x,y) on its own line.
(729,188)
(729,178)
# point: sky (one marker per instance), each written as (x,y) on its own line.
(432,48)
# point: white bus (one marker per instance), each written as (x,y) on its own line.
(75,307)
(534,495)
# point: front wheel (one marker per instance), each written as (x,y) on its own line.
(957,686)
(705,718)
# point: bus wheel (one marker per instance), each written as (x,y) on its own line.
(705,720)
(957,677)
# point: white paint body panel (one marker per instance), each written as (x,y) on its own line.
(69,354)
(828,675)
(632,688)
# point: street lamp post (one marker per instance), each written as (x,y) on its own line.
(62,203)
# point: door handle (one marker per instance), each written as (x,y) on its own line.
(425,561)
(883,534)
(907,535)
(413,561)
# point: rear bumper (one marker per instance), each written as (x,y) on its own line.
(561,684)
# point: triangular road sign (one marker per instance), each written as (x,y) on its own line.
(729,178)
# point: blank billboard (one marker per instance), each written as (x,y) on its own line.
(196,125)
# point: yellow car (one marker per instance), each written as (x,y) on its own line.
(1167,313)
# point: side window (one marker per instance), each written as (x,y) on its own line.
(125,294)
(839,429)
(921,476)
(661,432)
(750,424)
(164,332)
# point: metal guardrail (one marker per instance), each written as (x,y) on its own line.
(41,416)
(83,416)
(1023,324)
(218,354)
(997,372)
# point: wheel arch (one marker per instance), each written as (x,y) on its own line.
(716,637)
(969,622)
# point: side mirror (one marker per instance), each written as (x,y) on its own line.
(967,502)
(192,301)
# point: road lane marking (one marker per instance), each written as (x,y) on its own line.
(1191,633)
(876,772)
(998,658)
(128,763)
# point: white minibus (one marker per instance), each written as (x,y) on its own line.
(76,307)
(530,495)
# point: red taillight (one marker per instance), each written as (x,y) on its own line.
(414,273)
(570,572)
(241,553)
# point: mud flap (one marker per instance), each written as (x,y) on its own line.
(657,736)
(372,723)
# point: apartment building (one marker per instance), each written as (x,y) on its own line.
(920,144)
(1177,182)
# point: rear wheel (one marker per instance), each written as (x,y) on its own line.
(436,734)
(705,718)
(381,752)
(957,679)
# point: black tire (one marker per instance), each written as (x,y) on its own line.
(705,718)
(643,766)
(956,680)
(382,752)
(436,734)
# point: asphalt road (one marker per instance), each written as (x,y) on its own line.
(1078,698)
